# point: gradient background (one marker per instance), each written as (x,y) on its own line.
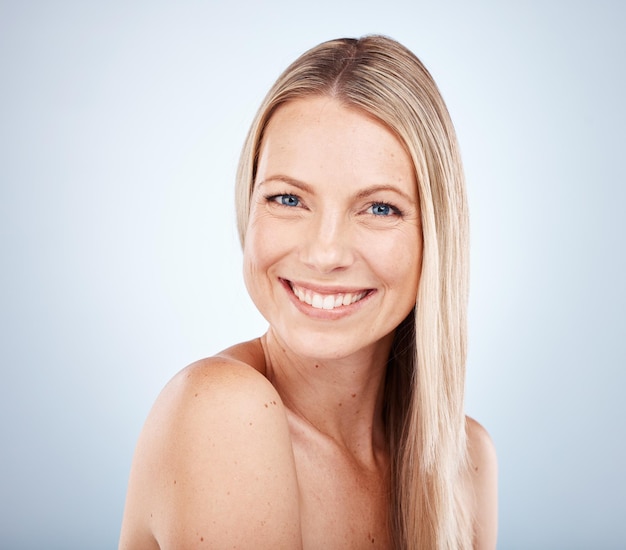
(120,128)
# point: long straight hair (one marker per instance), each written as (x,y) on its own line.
(424,387)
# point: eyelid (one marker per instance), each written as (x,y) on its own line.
(271,197)
(395,211)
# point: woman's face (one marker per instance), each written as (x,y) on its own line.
(333,247)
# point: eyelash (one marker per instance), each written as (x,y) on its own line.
(272,198)
(393,210)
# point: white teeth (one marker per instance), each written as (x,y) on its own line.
(298,293)
(326,301)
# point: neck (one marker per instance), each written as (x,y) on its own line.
(339,398)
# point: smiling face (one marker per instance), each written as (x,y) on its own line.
(333,246)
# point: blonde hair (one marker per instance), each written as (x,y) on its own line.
(424,389)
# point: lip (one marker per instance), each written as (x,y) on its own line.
(339,292)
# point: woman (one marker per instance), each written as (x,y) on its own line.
(342,426)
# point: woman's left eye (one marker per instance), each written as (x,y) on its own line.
(382,209)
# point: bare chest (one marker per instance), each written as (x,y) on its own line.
(341,504)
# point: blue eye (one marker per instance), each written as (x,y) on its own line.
(285,199)
(381,209)
(288,200)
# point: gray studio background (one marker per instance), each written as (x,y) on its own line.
(120,128)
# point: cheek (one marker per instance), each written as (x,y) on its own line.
(397,258)
(404,276)
(253,258)
(262,248)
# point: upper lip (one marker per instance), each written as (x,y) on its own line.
(323,289)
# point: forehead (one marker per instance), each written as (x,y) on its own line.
(321,136)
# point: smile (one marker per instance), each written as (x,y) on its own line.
(327,301)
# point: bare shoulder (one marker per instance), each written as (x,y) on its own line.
(482,451)
(483,484)
(214,464)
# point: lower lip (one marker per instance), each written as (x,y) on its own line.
(325,314)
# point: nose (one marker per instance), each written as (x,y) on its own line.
(328,243)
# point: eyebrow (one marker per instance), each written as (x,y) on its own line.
(376,188)
(364,193)
(286,179)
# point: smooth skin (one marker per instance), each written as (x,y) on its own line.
(279,442)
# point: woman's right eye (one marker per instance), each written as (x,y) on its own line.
(285,200)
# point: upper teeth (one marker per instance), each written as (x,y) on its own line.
(327,301)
